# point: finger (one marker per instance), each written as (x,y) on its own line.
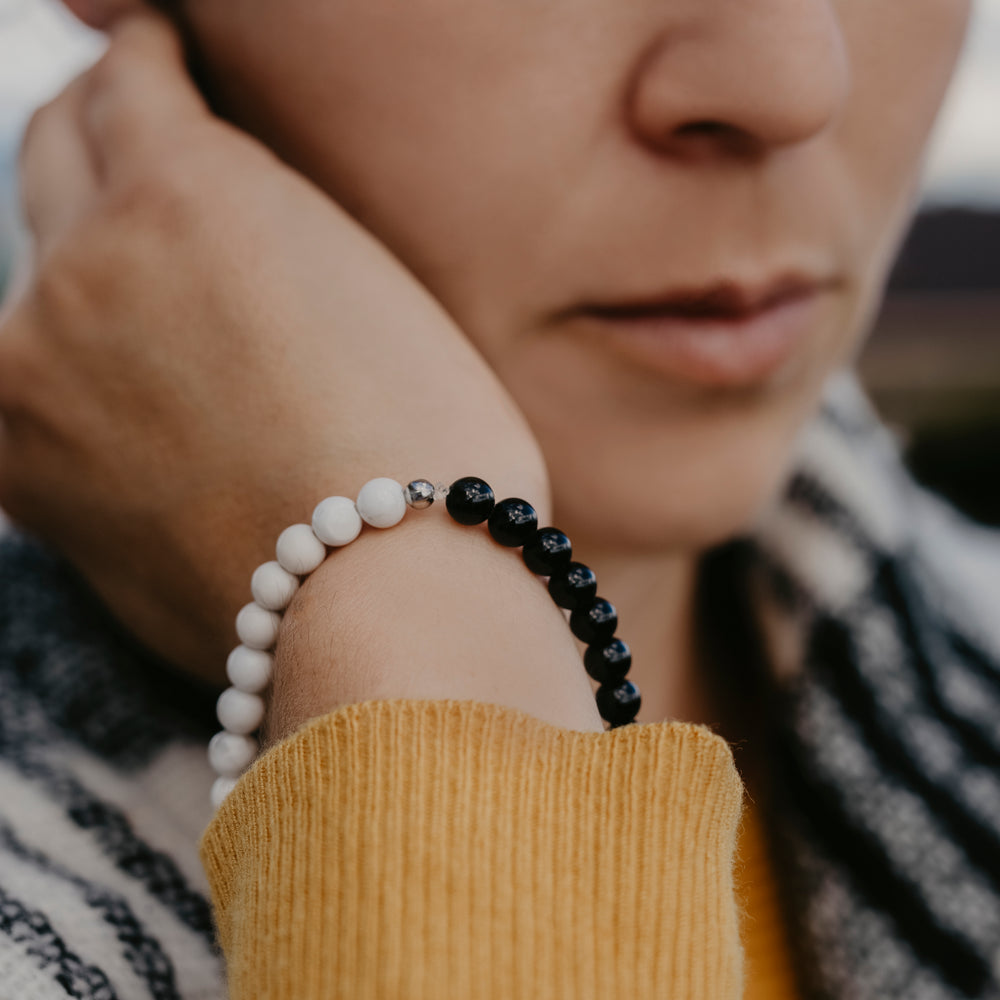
(100,14)
(141,95)
(57,173)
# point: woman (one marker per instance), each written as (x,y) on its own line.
(605,257)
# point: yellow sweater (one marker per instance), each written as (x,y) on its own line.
(768,966)
(409,850)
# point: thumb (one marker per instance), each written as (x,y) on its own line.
(102,14)
(140,95)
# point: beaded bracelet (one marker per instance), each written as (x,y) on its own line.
(382,503)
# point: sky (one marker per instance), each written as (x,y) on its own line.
(41,47)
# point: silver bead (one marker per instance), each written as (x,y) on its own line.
(419,494)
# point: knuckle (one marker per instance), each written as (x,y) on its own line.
(39,122)
(36,122)
(166,195)
(51,115)
(61,290)
(115,66)
(116,98)
(173,179)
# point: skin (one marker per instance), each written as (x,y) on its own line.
(182,376)
(653,145)
(519,168)
(516,169)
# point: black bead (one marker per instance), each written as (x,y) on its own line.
(548,552)
(609,662)
(513,522)
(619,704)
(595,622)
(573,587)
(469,500)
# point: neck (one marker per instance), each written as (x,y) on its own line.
(654,594)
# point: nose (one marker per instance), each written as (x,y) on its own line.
(739,77)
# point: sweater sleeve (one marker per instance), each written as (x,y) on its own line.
(437,850)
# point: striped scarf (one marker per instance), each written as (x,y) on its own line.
(877,690)
(879,613)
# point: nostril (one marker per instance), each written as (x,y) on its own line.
(738,79)
(721,135)
(706,128)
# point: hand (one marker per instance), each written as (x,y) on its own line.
(206,347)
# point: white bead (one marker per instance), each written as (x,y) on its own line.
(336,521)
(381,503)
(249,669)
(231,754)
(222,788)
(257,627)
(299,550)
(273,587)
(239,712)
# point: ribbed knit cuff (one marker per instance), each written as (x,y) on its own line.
(445,849)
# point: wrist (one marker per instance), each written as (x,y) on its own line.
(432,611)
(440,615)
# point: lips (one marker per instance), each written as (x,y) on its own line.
(724,299)
(725,334)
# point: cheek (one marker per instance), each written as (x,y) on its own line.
(451,177)
(903,56)
(635,461)
(441,126)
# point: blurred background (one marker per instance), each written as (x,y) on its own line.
(933,363)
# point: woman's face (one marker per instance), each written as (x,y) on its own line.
(576,179)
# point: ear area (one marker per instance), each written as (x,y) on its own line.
(102,14)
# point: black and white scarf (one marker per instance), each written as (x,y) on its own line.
(878,616)
(880,609)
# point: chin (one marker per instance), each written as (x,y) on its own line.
(641,463)
(682,489)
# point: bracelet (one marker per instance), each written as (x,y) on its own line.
(382,503)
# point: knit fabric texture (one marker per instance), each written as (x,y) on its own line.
(880,611)
(103,779)
(874,609)
(444,850)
